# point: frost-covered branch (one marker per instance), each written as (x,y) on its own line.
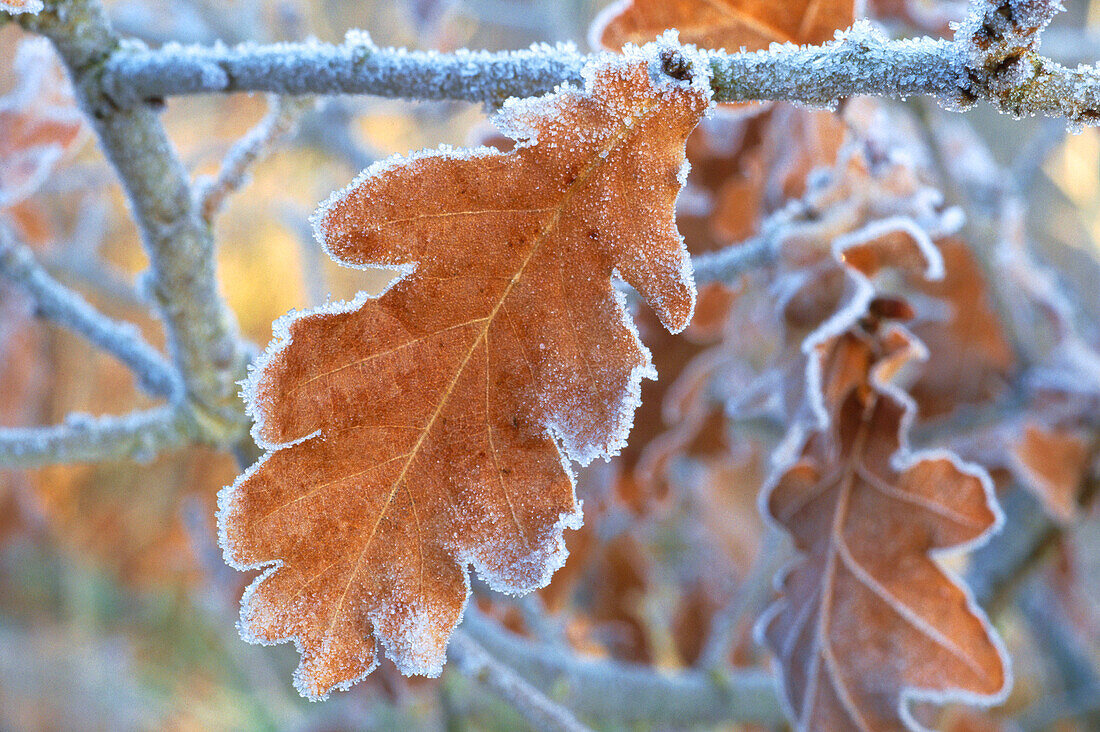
(81,438)
(861,61)
(627,693)
(202,331)
(473,661)
(281,119)
(750,598)
(726,265)
(356,66)
(68,309)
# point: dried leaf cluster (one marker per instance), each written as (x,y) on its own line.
(433,427)
(801,457)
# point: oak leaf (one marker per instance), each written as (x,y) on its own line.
(429,429)
(728,24)
(970,359)
(39,120)
(867,619)
(1052,463)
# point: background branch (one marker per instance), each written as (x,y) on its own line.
(543,714)
(628,693)
(67,308)
(82,439)
(202,331)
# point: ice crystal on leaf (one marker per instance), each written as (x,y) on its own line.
(21,6)
(429,429)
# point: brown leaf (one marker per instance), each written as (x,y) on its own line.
(1052,462)
(970,358)
(869,214)
(418,433)
(640,480)
(868,620)
(728,24)
(39,118)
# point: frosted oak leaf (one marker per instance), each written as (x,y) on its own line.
(429,429)
(867,619)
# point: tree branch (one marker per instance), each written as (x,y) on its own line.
(281,119)
(861,62)
(355,67)
(628,693)
(751,596)
(726,265)
(202,332)
(67,308)
(543,714)
(82,439)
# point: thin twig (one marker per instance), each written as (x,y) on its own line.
(751,594)
(280,121)
(726,265)
(473,661)
(629,693)
(68,309)
(82,438)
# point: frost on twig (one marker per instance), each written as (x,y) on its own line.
(542,713)
(67,308)
(356,66)
(993,59)
(998,42)
(279,122)
(82,438)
